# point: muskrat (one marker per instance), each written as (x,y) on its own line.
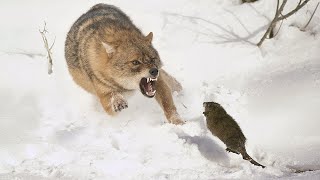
(222,125)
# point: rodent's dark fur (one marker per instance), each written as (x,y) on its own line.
(222,125)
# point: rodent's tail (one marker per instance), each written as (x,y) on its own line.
(246,156)
(256,163)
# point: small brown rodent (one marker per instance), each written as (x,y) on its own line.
(222,125)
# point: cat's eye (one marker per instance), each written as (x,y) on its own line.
(136,62)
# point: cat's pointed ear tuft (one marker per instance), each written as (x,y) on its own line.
(149,37)
(109,48)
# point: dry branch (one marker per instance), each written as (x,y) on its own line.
(279,17)
(299,6)
(248,1)
(304,28)
(274,21)
(47,47)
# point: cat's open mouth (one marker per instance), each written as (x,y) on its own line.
(148,86)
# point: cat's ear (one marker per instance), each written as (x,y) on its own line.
(109,48)
(149,37)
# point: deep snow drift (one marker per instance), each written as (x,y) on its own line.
(52,129)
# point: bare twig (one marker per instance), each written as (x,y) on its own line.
(299,6)
(248,1)
(278,29)
(271,33)
(304,28)
(279,17)
(46,45)
(273,22)
(184,105)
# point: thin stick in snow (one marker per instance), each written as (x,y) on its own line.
(304,28)
(299,6)
(279,17)
(274,21)
(46,45)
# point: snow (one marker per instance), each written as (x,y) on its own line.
(52,129)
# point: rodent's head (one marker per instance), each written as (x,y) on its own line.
(210,107)
(135,62)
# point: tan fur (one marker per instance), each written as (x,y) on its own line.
(174,85)
(101,49)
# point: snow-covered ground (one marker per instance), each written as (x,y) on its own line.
(52,129)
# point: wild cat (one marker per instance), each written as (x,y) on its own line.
(108,56)
(222,125)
